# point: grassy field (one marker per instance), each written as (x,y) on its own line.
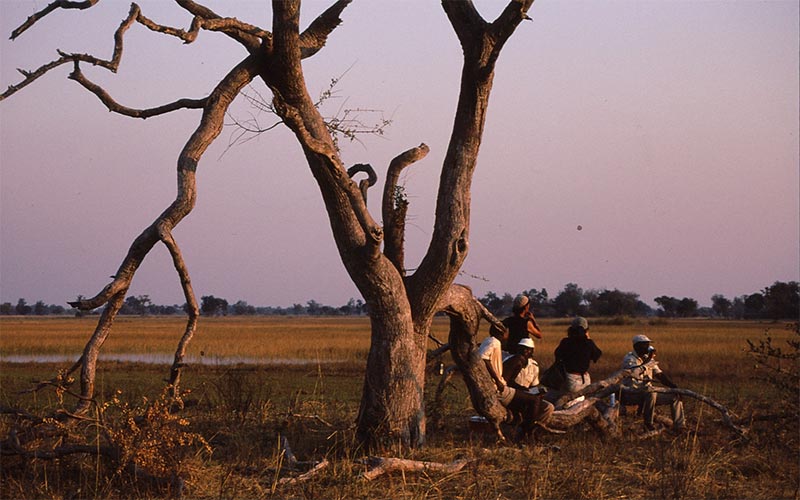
(306,386)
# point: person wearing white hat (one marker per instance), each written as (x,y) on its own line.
(530,407)
(520,370)
(521,324)
(636,386)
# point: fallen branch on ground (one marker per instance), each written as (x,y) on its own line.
(380,465)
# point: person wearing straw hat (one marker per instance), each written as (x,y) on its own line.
(636,387)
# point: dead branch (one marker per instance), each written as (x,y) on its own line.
(727,416)
(598,389)
(395,206)
(20,413)
(591,410)
(113,106)
(380,466)
(57,4)
(313,417)
(315,36)
(367,183)
(316,469)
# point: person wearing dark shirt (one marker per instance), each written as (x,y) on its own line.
(521,324)
(577,351)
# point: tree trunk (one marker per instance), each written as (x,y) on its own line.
(392,410)
(465,313)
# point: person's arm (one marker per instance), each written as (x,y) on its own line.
(533,326)
(498,381)
(664,379)
(511,369)
(596,352)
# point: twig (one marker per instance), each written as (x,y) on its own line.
(303,477)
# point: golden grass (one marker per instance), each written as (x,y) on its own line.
(240,410)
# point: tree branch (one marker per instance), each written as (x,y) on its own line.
(395,206)
(57,4)
(380,466)
(364,184)
(315,36)
(115,107)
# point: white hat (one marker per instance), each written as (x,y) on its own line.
(526,342)
(641,338)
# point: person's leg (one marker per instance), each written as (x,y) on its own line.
(543,411)
(533,409)
(676,408)
(649,409)
(630,397)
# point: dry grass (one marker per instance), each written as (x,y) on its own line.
(240,411)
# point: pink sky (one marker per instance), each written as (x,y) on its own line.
(667,130)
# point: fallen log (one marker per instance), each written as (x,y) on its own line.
(382,465)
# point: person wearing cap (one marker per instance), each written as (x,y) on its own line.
(520,370)
(577,351)
(521,324)
(519,402)
(636,387)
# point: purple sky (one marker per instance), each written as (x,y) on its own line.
(667,130)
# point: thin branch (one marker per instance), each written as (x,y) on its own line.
(727,416)
(115,107)
(308,475)
(31,76)
(193,310)
(57,4)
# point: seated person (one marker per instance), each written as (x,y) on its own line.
(635,388)
(531,407)
(521,372)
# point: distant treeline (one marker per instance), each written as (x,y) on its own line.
(777,301)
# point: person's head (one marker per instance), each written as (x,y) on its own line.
(578,327)
(521,303)
(526,347)
(641,344)
(500,332)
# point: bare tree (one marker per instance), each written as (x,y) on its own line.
(401,305)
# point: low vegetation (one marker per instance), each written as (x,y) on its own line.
(229,439)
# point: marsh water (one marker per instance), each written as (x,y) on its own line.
(162,359)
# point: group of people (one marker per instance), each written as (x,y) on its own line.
(508,356)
